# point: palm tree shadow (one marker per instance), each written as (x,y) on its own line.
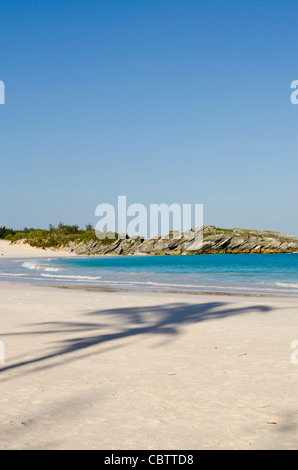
(132,322)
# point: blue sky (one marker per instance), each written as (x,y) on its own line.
(162,101)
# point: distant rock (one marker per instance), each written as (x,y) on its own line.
(215,240)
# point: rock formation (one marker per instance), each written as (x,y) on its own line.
(215,240)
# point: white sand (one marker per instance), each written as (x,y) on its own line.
(23,250)
(140,371)
(99,370)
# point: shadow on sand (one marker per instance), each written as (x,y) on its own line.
(127,322)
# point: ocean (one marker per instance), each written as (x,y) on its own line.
(220,273)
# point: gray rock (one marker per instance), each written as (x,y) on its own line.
(215,240)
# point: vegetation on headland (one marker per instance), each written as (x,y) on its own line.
(53,237)
(215,240)
(62,235)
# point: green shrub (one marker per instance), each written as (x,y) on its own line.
(4,232)
(55,237)
(9,237)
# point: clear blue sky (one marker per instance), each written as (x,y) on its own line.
(183,101)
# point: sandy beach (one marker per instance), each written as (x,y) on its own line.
(112,370)
(23,250)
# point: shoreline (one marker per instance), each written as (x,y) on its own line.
(151,291)
(22,251)
(111,289)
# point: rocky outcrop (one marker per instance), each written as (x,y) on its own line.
(215,240)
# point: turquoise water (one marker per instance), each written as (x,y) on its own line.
(243,274)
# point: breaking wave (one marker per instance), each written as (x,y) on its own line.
(12,274)
(79,278)
(286,284)
(39,267)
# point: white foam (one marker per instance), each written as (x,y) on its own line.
(12,275)
(32,265)
(286,284)
(79,278)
